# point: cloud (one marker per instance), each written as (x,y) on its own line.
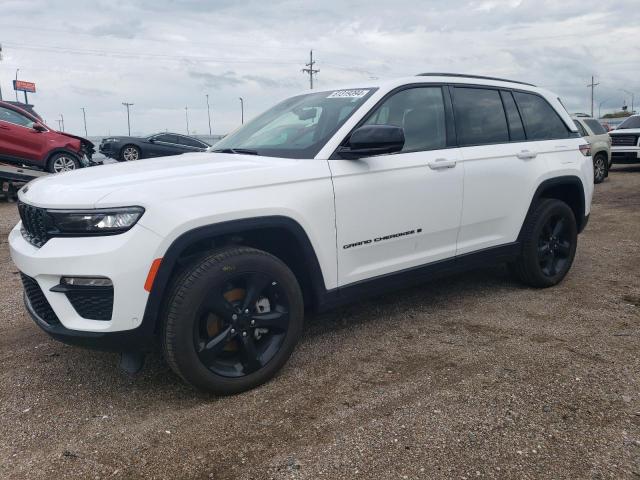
(164,55)
(211,80)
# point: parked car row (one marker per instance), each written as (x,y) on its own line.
(126,149)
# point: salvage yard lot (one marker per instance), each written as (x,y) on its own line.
(472,376)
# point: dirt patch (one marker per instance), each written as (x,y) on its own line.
(472,376)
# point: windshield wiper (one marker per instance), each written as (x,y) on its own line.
(242,151)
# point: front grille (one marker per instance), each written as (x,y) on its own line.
(35,224)
(38,301)
(624,140)
(92,303)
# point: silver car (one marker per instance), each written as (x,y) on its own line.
(600,141)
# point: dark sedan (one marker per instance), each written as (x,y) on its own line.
(126,149)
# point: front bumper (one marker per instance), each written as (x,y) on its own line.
(630,154)
(124,259)
(110,149)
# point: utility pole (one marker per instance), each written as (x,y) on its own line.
(17,70)
(632,98)
(311,71)
(128,117)
(241,110)
(209,114)
(186,115)
(84,117)
(62,121)
(59,124)
(593,84)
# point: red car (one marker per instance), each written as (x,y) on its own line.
(26,140)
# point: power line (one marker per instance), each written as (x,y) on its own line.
(311,71)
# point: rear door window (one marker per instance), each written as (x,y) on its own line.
(541,122)
(189,142)
(480,117)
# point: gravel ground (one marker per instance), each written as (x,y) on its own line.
(469,377)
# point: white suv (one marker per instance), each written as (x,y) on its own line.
(625,141)
(327,197)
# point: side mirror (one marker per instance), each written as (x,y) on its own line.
(38,127)
(370,140)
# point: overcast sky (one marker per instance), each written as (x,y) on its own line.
(163,55)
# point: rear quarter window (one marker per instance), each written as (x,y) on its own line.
(541,121)
(595,127)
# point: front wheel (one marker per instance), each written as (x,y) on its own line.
(549,241)
(63,162)
(232,320)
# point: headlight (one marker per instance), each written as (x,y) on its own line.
(94,222)
(109,140)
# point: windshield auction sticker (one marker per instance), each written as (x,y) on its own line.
(348,94)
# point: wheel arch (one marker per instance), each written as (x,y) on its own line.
(569,189)
(281,236)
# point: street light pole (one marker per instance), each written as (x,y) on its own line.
(128,117)
(16,85)
(632,97)
(62,121)
(241,109)
(209,114)
(600,106)
(186,115)
(84,117)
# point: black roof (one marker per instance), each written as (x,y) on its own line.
(462,75)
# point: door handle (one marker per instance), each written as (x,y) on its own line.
(440,163)
(526,155)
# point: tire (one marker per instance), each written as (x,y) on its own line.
(63,162)
(549,241)
(129,153)
(600,168)
(208,336)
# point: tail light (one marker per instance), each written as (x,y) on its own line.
(585,149)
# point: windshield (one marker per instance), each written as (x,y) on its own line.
(296,128)
(631,122)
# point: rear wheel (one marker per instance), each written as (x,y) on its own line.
(63,162)
(600,168)
(130,153)
(232,320)
(549,242)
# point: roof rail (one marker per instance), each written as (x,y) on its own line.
(462,75)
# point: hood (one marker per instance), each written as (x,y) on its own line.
(83,140)
(625,131)
(167,178)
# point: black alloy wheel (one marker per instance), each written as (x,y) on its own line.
(554,245)
(549,240)
(232,320)
(242,325)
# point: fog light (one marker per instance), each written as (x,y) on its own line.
(86,281)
